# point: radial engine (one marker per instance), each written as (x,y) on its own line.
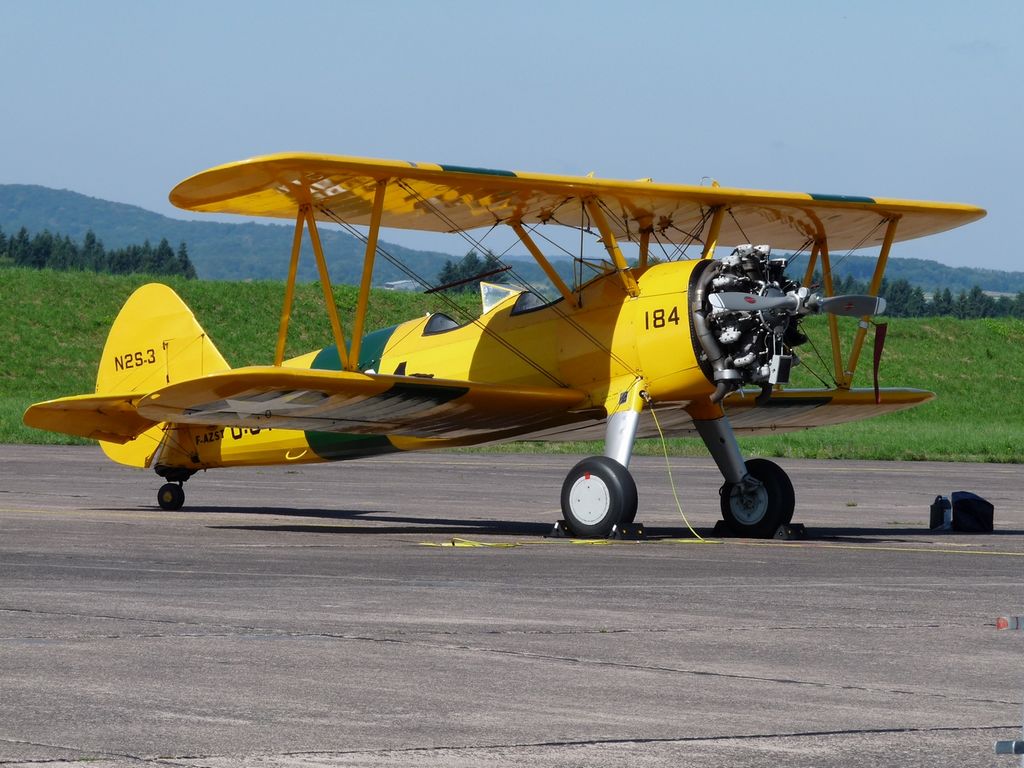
(746,316)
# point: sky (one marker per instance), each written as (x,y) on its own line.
(911,99)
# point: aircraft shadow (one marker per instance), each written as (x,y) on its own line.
(391,523)
(847,533)
(842,535)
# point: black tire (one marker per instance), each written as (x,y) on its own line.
(171,496)
(598,493)
(759,516)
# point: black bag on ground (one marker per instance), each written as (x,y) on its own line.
(939,512)
(971,513)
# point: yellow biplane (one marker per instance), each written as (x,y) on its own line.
(708,341)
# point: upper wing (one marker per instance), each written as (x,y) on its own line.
(359,403)
(447,198)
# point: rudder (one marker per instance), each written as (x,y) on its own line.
(154,341)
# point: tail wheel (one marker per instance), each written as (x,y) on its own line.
(171,496)
(598,493)
(757,507)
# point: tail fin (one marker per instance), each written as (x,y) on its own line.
(154,341)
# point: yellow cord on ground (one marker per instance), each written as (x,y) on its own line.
(671,482)
(457,542)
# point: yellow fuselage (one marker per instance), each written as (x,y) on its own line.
(601,345)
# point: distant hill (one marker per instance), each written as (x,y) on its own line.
(219,251)
(930,275)
(260,251)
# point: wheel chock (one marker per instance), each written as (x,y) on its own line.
(559,531)
(628,532)
(785,532)
(790,532)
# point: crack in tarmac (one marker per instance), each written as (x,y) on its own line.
(672,739)
(411,641)
(189,760)
(81,751)
(460,633)
(678,670)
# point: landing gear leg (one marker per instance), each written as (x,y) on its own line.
(757,496)
(599,492)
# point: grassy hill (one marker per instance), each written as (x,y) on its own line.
(58,323)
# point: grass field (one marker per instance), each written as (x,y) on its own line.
(57,324)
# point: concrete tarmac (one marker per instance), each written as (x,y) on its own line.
(320,616)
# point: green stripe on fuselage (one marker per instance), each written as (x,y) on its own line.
(370,352)
(335,446)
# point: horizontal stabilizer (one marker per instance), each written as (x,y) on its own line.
(113,418)
(359,403)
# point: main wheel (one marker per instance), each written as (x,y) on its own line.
(756,510)
(598,493)
(171,496)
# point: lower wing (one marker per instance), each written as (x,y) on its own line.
(786,411)
(794,409)
(359,403)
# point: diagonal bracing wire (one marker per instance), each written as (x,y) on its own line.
(466,236)
(453,305)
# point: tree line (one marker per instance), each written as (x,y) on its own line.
(466,274)
(46,250)
(905,300)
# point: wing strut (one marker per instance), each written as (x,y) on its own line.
(325,280)
(844,375)
(289,289)
(812,262)
(544,264)
(597,215)
(364,286)
(304,217)
(876,284)
(821,250)
(712,238)
(645,245)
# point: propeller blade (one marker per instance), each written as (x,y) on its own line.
(750,302)
(852,305)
